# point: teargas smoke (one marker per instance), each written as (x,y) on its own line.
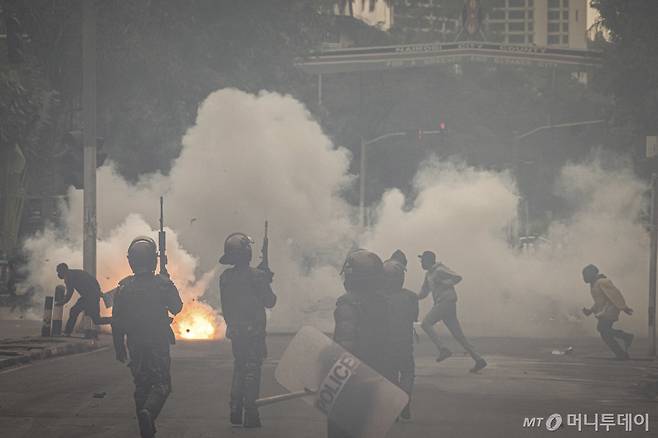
(254,157)
(464,214)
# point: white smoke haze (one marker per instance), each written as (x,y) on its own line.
(463,215)
(249,158)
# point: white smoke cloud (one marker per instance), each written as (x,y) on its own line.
(463,214)
(254,157)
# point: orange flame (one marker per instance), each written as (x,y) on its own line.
(198,321)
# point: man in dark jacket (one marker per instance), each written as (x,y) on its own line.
(140,317)
(403,312)
(361,317)
(90,294)
(245,293)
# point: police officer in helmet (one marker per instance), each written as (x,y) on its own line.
(141,322)
(361,317)
(403,312)
(245,293)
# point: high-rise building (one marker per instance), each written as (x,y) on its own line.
(553,23)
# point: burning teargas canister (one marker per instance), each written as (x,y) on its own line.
(198,321)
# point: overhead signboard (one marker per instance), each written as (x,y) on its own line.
(423,55)
(652,146)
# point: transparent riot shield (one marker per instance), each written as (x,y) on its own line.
(352,395)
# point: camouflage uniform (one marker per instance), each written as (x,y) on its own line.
(141,314)
(245,293)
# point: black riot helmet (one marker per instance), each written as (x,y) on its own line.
(237,249)
(362,271)
(142,255)
(393,275)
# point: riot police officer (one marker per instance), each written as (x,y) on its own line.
(403,312)
(245,293)
(361,317)
(140,317)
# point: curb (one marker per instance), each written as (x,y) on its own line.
(22,351)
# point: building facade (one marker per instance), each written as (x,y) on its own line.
(552,23)
(548,23)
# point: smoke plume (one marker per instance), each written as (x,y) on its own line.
(251,158)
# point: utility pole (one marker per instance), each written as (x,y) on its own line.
(89,142)
(362,186)
(652,267)
(89,133)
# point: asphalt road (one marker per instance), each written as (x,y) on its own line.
(55,398)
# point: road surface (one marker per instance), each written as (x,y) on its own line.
(55,398)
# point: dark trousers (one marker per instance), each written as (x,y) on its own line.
(150,367)
(92,309)
(405,372)
(609,336)
(249,351)
(446,311)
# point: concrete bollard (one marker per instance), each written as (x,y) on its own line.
(58,311)
(47,316)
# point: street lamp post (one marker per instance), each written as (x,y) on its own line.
(517,151)
(363,165)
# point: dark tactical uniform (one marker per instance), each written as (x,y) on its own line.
(141,313)
(361,321)
(90,294)
(403,312)
(245,293)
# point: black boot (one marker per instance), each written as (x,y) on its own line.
(251,418)
(146,424)
(406,413)
(236,414)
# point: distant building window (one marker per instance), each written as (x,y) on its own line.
(497,27)
(516,39)
(554,39)
(553,4)
(565,39)
(516,27)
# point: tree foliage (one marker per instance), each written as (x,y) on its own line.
(631,67)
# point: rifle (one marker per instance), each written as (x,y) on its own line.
(162,242)
(264,264)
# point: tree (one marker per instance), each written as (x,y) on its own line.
(630,73)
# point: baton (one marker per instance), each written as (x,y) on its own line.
(283,397)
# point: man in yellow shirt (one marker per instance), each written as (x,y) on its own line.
(608,302)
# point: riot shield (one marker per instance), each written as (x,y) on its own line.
(353,396)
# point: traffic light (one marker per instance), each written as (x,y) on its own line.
(71,159)
(442,127)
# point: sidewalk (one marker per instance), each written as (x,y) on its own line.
(20,343)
